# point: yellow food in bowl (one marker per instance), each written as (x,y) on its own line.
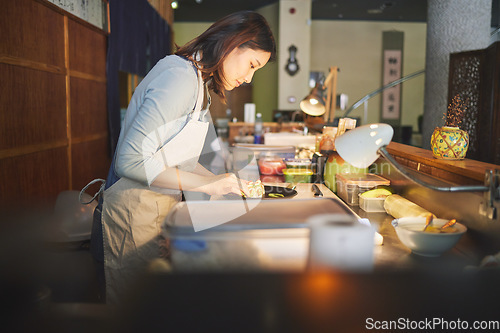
(427,243)
(437,230)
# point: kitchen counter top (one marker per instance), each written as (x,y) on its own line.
(234,245)
(392,254)
(406,291)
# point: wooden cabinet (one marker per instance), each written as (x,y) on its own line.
(475,77)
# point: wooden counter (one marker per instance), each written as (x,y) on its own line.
(244,129)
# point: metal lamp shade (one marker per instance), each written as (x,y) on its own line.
(359,146)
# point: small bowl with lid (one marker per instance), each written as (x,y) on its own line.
(298,163)
(295,176)
(430,243)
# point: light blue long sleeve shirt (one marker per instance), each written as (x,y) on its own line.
(157,111)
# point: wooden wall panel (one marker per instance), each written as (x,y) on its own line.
(88,109)
(53,114)
(90,160)
(34,179)
(32,32)
(32,107)
(87,50)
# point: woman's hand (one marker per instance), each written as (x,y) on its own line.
(207,183)
(225,184)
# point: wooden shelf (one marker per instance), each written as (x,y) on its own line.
(464,171)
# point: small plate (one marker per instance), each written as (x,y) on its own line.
(275,192)
(271,192)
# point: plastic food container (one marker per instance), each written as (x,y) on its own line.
(271,165)
(298,163)
(350,185)
(297,175)
(237,235)
(249,151)
(245,156)
(371,204)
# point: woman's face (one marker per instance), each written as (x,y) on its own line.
(240,65)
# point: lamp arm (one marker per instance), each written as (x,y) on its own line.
(382,151)
(328,79)
(379,90)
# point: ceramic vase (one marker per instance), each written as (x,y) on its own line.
(449,143)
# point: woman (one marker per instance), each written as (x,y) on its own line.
(163,134)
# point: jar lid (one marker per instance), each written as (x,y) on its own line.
(362,179)
(296,172)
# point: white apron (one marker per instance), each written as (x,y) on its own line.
(132,213)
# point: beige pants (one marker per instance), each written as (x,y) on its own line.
(132,216)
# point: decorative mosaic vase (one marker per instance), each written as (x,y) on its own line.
(449,143)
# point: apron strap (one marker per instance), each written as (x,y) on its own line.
(101,190)
(199,101)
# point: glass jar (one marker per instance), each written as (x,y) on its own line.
(336,164)
(327,142)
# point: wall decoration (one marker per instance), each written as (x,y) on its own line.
(391,96)
(392,70)
(93,11)
(292,66)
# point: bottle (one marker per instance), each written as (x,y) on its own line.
(327,140)
(258,129)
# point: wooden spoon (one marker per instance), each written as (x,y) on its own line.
(448,224)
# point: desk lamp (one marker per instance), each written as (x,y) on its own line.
(314,104)
(362,146)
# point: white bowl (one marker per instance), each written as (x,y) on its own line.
(409,231)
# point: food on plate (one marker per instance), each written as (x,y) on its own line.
(255,189)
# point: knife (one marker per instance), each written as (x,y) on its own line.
(316,190)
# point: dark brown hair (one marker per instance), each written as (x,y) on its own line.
(245,29)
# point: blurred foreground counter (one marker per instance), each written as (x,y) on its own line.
(316,302)
(404,292)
